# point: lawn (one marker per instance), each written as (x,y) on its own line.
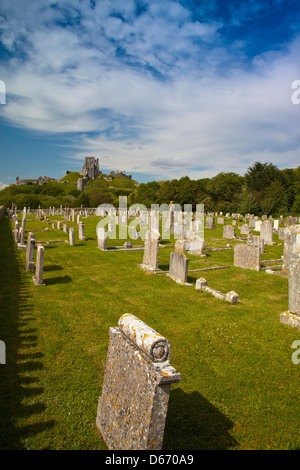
(239,387)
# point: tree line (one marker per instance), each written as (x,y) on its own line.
(263,189)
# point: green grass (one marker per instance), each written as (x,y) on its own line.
(239,387)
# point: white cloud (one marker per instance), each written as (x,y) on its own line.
(3,185)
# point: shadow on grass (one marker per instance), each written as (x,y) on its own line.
(53,267)
(193,423)
(58,280)
(19,379)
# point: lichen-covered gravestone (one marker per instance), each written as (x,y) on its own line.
(292,316)
(133,406)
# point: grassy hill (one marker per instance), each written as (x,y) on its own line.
(65,192)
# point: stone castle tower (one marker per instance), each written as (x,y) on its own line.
(91,167)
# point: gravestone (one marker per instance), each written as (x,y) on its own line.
(21,244)
(65,228)
(254,240)
(292,316)
(29,263)
(72,236)
(178,268)
(245,229)
(290,239)
(150,259)
(133,406)
(38,278)
(102,238)
(229,232)
(210,222)
(247,257)
(16,231)
(266,232)
(81,231)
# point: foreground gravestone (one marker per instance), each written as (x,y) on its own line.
(38,278)
(29,263)
(247,257)
(133,406)
(292,316)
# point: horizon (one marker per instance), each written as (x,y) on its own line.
(160,90)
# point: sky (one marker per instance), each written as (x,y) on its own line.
(160,89)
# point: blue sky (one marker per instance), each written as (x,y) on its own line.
(158,88)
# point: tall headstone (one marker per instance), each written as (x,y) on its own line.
(102,238)
(292,316)
(150,259)
(21,244)
(133,406)
(38,278)
(81,231)
(72,236)
(266,232)
(29,263)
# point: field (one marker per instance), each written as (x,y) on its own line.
(239,387)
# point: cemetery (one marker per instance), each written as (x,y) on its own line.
(167,341)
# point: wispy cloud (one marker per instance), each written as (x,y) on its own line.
(154,86)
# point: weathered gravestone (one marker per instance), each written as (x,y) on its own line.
(178,268)
(290,238)
(102,238)
(72,236)
(229,232)
(81,231)
(292,316)
(29,263)
(266,232)
(133,406)
(254,240)
(245,229)
(38,278)
(150,259)
(247,257)
(210,222)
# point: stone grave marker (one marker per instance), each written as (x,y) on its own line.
(133,405)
